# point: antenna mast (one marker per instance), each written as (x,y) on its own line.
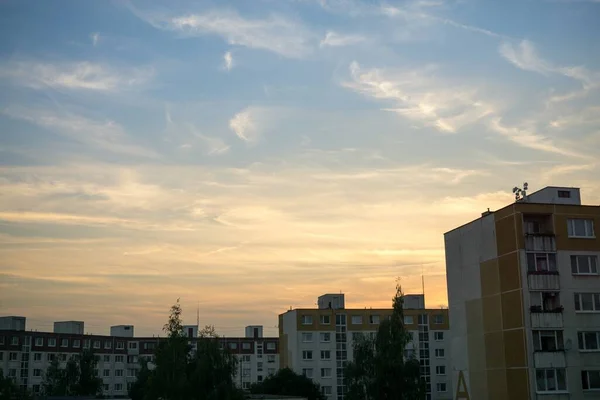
(520,194)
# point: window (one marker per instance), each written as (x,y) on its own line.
(587,302)
(245,358)
(106,372)
(14,341)
(589,341)
(106,358)
(548,340)
(307,337)
(130,372)
(325,319)
(86,343)
(120,345)
(326,390)
(550,380)
(118,372)
(132,359)
(51,342)
(307,355)
(441,387)
(50,356)
(37,389)
(12,373)
(96,344)
(39,341)
(246,346)
(325,372)
(438,336)
(37,356)
(118,387)
(259,367)
(107,344)
(374,319)
(62,357)
(106,387)
(409,320)
(541,262)
(246,385)
(2,340)
(64,343)
(439,353)
(325,354)
(307,372)
(325,337)
(438,319)
(76,343)
(580,227)
(357,320)
(423,319)
(307,320)
(271,346)
(270,359)
(584,265)
(259,378)
(590,380)
(119,359)
(133,345)
(545,302)
(564,194)
(13,356)
(246,372)
(232,346)
(440,370)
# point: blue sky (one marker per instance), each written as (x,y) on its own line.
(249,156)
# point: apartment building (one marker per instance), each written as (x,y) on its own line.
(319,342)
(524,300)
(25,355)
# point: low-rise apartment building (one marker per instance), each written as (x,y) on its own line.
(319,342)
(25,355)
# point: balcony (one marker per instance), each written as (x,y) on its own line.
(540,243)
(541,320)
(543,280)
(549,359)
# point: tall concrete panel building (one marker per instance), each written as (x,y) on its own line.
(524,300)
(319,342)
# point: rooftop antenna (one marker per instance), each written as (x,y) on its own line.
(520,194)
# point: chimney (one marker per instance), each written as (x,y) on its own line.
(486,213)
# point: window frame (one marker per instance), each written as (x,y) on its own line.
(588,226)
(51,342)
(438,319)
(556,383)
(585,380)
(305,353)
(442,351)
(305,370)
(438,336)
(322,335)
(325,352)
(592,264)
(374,319)
(548,257)
(326,376)
(325,317)
(307,337)
(271,346)
(578,301)
(582,342)
(439,385)
(64,342)
(559,341)
(441,368)
(306,319)
(410,321)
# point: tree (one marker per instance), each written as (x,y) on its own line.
(288,383)
(379,370)
(10,390)
(181,374)
(77,378)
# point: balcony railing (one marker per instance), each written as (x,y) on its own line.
(540,309)
(546,320)
(540,243)
(543,280)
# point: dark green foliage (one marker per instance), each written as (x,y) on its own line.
(181,374)
(286,382)
(10,390)
(77,378)
(379,370)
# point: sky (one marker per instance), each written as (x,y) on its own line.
(249,156)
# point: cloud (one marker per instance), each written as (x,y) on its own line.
(95,37)
(417,95)
(104,135)
(244,126)
(227,61)
(529,139)
(187,135)
(334,39)
(75,76)
(274,33)
(525,57)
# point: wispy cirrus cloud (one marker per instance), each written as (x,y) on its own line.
(274,33)
(83,75)
(95,38)
(244,125)
(334,39)
(416,94)
(525,56)
(104,135)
